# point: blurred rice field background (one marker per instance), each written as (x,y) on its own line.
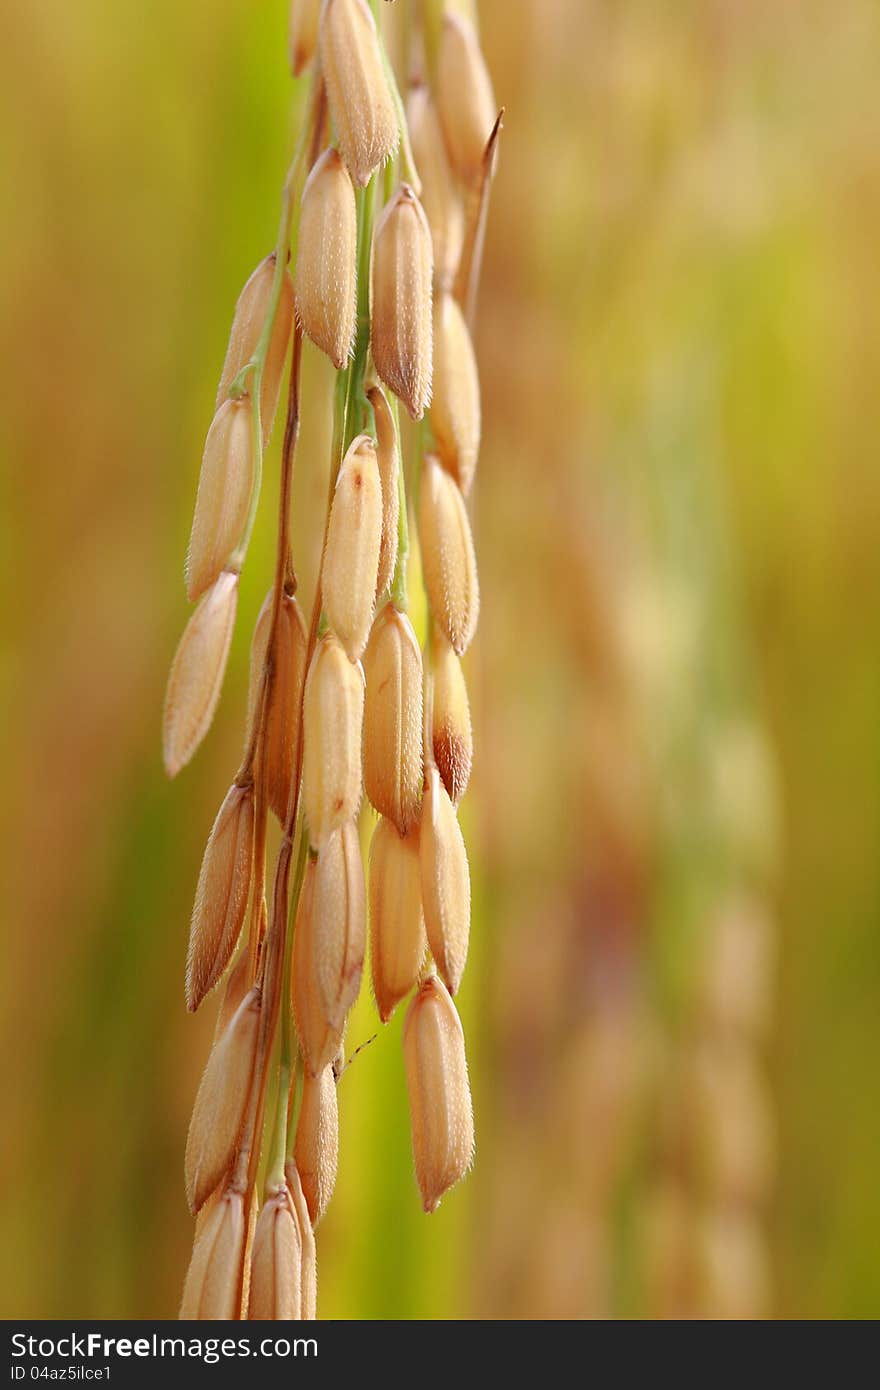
(672,1000)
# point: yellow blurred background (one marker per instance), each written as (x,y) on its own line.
(672,997)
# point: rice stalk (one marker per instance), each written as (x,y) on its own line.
(321,727)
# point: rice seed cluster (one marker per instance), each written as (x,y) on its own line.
(349,703)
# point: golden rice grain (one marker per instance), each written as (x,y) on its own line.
(247,326)
(281,737)
(361,103)
(224,495)
(211,1291)
(316,1149)
(401,318)
(338,936)
(455,405)
(388,454)
(440,198)
(446,884)
(393,718)
(222,894)
(332,723)
(326,281)
(276,1262)
(237,986)
(441,1113)
(449,564)
(318,1040)
(303,34)
(464,97)
(309,1267)
(397,926)
(197,671)
(221,1102)
(351,555)
(451,736)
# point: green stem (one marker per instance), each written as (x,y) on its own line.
(289,1051)
(366,201)
(355,401)
(421,446)
(340,407)
(296,1087)
(432,17)
(389,178)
